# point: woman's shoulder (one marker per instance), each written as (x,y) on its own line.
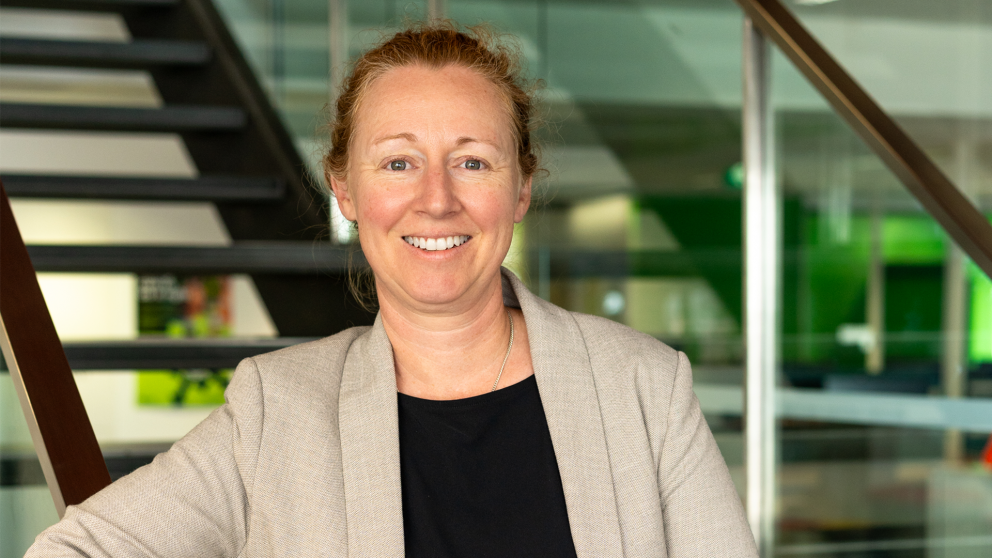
(626,361)
(605,337)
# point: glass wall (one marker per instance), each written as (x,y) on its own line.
(286,42)
(929,65)
(883,400)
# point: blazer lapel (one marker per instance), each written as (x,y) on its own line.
(370,434)
(370,448)
(568,393)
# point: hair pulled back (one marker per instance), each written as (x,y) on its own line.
(433,45)
(436,45)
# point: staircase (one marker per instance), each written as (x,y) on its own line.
(247,162)
(248,167)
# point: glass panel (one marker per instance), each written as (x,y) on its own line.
(883,391)
(929,65)
(286,43)
(26,506)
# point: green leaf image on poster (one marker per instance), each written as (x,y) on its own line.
(183,307)
(182,388)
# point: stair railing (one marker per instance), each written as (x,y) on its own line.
(935,192)
(60,429)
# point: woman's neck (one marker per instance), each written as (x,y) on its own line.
(454,354)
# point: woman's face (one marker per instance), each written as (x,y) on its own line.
(434,184)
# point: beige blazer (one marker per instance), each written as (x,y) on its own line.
(303,459)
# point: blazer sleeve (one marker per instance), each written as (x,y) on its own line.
(702,512)
(193,500)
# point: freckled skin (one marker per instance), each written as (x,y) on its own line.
(433,155)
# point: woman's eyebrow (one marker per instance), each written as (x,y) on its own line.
(413,139)
(463,140)
(405,135)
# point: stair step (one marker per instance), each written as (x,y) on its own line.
(166,119)
(243,257)
(20,468)
(205,188)
(90,5)
(168,354)
(93,54)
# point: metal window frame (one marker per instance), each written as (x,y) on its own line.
(762,256)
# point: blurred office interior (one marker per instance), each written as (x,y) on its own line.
(883,384)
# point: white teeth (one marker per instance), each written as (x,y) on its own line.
(436,244)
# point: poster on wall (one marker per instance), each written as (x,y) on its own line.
(183,307)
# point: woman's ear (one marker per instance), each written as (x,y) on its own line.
(343,195)
(523,201)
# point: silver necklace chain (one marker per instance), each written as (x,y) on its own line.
(507,357)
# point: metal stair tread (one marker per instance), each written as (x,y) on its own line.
(167,353)
(174,118)
(203,188)
(261,257)
(100,54)
(90,5)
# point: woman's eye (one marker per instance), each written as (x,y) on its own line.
(397,165)
(473,164)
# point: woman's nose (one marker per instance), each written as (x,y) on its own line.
(438,196)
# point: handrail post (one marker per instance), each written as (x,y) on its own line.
(762,254)
(60,429)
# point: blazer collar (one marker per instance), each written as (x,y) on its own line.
(370,433)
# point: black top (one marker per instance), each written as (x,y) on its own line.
(480,478)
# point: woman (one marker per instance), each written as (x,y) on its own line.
(473,419)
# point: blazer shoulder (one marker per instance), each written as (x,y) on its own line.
(604,337)
(625,360)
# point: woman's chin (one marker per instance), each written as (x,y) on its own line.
(436,292)
(444,287)
(437,296)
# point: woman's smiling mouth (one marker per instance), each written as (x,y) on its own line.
(436,244)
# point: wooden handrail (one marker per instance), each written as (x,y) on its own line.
(60,429)
(938,196)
